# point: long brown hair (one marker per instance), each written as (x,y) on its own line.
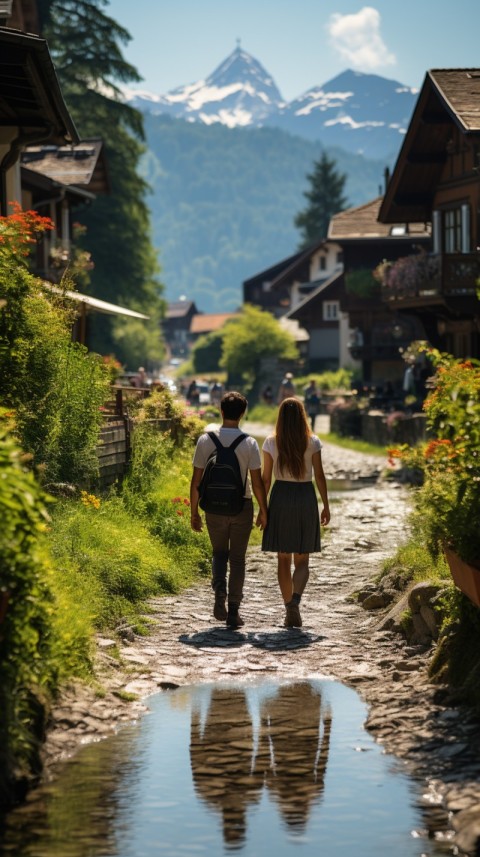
(292,434)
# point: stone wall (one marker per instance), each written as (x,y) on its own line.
(378,427)
(385,429)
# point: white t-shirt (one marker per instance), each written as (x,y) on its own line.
(247,452)
(314,446)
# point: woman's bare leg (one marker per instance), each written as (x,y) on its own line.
(285,576)
(301,572)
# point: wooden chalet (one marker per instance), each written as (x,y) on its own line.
(32,108)
(35,124)
(375,336)
(437,179)
(258,291)
(55,181)
(176,326)
(285,287)
(282,287)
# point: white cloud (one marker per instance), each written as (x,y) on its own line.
(358,40)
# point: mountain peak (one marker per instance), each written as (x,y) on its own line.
(242,66)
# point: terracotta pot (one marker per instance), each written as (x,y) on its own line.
(465,575)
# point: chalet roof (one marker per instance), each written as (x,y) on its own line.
(208,322)
(320,292)
(43,188)
(299,268)
(449,98)
(83,164)
(179,309)
(362,222)
(30,95)
(269,274)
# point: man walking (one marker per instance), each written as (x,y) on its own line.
(229,534)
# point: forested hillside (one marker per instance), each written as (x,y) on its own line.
(223,202)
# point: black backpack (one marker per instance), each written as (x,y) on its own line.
(221,488)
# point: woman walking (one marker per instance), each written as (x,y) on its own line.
(292,455)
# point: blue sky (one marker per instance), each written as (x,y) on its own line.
(302,43)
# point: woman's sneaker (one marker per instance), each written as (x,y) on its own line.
(292,616)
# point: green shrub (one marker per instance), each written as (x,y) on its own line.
(41,636)
(447,505)
(55,387)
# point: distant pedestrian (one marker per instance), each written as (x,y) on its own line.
(287,388)
(216,393)
(293,455)
(140,379)
(193,393)
(312,401)
(267,395)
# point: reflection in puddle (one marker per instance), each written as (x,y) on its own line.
(272,768)
(288,757)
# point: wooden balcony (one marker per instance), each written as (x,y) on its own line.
(427,279)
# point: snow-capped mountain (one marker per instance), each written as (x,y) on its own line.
(360,112)
(239,92)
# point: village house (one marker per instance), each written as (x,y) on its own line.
(437,179)
(176,326)
(32,108)
(204,323)
(43,164)
(284,287)
(377,336)
(329,290)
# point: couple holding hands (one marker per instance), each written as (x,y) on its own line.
(290,518)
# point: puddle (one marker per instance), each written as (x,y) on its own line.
(283,769)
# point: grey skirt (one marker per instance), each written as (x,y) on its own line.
(293,520)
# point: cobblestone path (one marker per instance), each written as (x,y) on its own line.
(339,639)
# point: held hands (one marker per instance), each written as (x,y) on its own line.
(261,521)
(325,516)
(196,522)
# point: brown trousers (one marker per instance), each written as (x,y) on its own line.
(229,536)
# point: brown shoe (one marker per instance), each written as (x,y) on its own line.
(292,616)
(219,609)
(234,620)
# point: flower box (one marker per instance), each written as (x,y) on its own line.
(465,575)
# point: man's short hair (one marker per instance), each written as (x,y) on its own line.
(233,405)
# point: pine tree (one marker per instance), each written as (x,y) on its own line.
(86,47)
(325,198)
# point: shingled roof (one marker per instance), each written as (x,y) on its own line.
(362,222)
(208,322)
(449,98)
(31,98)
(82,165)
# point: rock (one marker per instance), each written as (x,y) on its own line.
(105,643)
(365,591)
(374,601)
(392,621)
(431,621)
(421,633)
(467,825)
(126,633)
(426,621)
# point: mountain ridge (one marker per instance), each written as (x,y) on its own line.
(363,113)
